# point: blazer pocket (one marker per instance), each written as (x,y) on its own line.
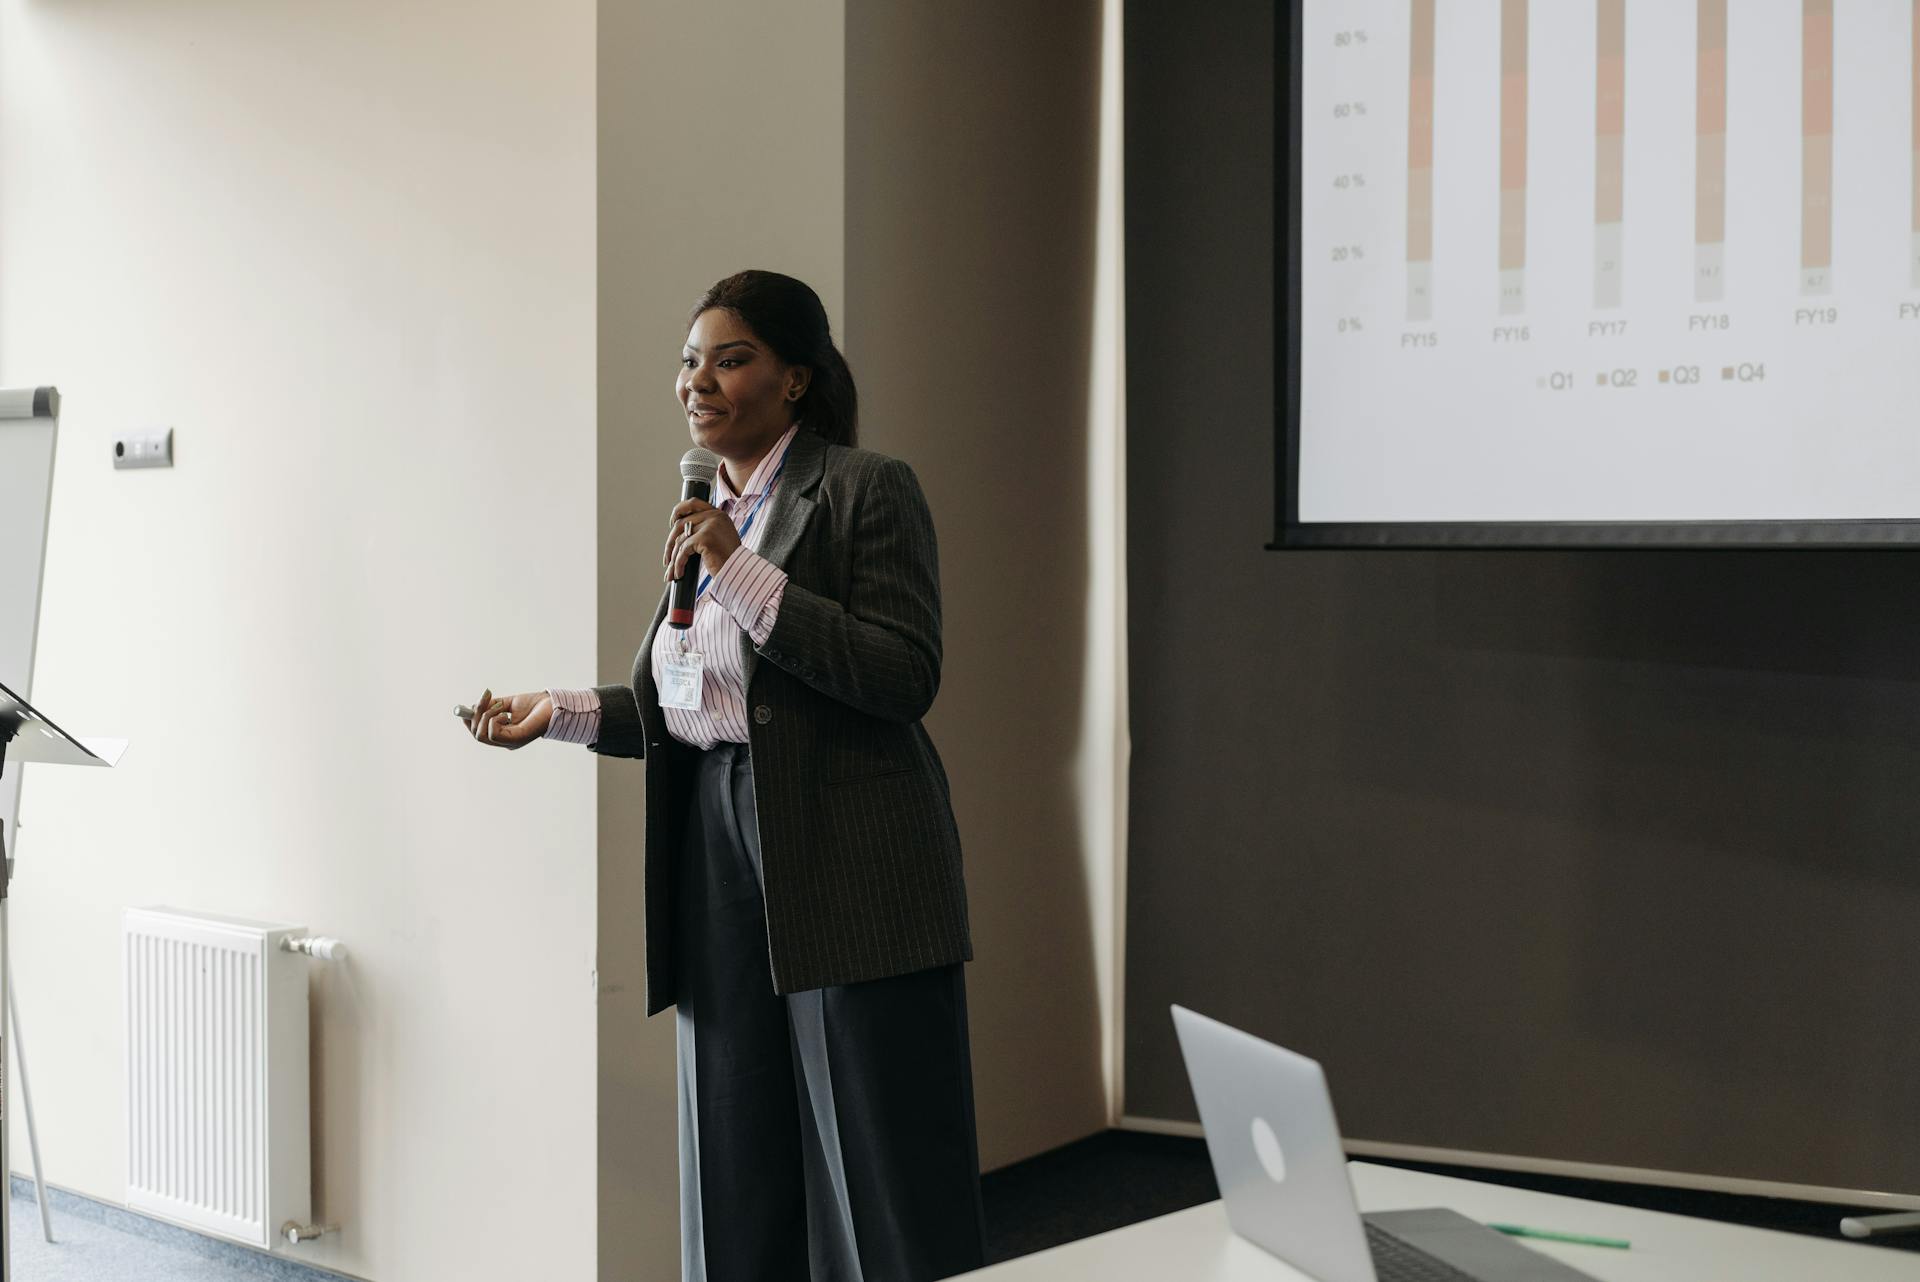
(845,781)
(858,757)
(884,818)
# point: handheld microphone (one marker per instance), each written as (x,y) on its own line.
(697,467)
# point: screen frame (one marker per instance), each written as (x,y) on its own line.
(1291,534)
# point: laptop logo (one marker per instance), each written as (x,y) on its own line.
(1266,1146)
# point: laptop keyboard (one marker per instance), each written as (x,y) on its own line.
(1395,1261)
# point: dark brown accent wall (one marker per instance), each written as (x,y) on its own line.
(1599,857)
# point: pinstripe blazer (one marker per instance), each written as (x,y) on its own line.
(859,852)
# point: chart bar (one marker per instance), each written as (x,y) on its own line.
(1610,155)
(1710,155)
(1513,156)
(1816,147)
(1420,166)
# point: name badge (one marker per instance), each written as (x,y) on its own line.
(680,675)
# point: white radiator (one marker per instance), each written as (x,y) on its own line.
(217,1112)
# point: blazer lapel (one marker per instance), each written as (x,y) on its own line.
(792,503)
(787,515)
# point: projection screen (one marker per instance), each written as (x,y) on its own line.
(1600,272)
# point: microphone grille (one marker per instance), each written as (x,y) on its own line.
(699,465)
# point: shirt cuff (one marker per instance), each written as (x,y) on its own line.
(749,587)
(576,716)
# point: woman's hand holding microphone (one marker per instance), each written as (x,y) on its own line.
(698,529)
(510,722)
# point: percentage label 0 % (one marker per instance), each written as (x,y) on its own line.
(1351,325)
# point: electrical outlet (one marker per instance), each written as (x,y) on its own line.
(144,449)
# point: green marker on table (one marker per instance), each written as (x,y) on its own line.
(1549,1235)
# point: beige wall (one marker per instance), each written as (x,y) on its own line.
(954,242)
(720,149)
(359,278)
(347,252)
(972,199)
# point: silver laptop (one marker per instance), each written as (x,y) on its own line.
(1276,1151)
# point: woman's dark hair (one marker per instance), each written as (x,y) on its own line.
(788,317)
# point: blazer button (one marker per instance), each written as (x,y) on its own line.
(762,715)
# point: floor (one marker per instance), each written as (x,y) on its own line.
(1121,1177)
(96,1243)
(1103,1182)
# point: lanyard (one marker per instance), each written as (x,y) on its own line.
(748,524)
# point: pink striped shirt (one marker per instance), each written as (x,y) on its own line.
(743,597)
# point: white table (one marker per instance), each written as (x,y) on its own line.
(1196,1245)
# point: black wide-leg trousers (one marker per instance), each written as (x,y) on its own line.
(825,1136)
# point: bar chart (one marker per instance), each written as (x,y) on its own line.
(1518,136)
(1710,154)
(1420,165)
(1816,147)
(1692,225)
(1610,153)
(1513,156)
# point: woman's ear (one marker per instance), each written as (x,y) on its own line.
(799,378)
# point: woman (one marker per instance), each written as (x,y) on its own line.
(805,906)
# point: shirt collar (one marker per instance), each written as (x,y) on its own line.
(762,475)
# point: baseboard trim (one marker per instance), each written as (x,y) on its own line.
(1860,1198)
(1157,1126)
(65,1202)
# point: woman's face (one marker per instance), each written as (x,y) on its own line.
(738,396)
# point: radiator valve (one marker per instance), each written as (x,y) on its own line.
(298,1233)
(320,946)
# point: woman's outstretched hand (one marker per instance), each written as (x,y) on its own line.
(513,721)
